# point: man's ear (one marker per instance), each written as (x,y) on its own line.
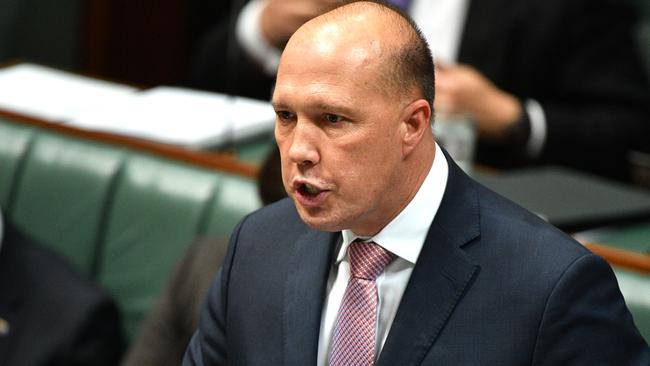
(416,121)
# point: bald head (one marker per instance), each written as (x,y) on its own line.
(350,104)
(371,35)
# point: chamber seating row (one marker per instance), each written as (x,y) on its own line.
(635,287)
(124,216)
(120,215)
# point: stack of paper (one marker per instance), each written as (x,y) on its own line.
(170,115)
(182,116)
(54,95)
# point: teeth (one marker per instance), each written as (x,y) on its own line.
(311,189)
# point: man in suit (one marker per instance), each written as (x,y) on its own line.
(545,81)
(49,315)
(387,253)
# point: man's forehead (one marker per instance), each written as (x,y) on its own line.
(325,59)
(315,92)
(356,35)
(334,52)
(321,78)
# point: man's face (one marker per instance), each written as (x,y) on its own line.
(339,137)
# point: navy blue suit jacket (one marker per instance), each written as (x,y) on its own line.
(494,285)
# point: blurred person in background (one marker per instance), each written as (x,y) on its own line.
(49,314)
(558,81)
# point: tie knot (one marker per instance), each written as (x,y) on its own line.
(368,260)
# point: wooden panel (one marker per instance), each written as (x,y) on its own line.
(220,161)
(623,258)
(144,42)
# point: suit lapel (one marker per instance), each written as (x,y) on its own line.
(304,296)
(441,275)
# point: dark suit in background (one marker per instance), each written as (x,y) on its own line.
(578,58)
(494,285)
(53,316)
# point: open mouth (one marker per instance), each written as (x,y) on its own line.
(309,190)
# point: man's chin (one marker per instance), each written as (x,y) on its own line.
(318,219)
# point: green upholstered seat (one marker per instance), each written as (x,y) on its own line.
(14,143)
(635,287)
(634,237)
(236,197)
(254,150)
(122,216)
(62,194)
(158,207)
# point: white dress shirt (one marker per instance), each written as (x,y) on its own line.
(441,23)
(404,236)
(250,37)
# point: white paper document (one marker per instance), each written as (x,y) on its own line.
(182,117)
(165,114)
(54,95)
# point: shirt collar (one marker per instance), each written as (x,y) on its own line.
(404,236)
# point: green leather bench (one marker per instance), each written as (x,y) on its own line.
(121,215)
(124,216)
(635,287)
(634,284)
(14,142)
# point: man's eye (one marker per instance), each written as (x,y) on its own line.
(284,115)
(333,118)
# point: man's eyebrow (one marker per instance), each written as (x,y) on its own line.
(278,104)
(334,107)
(317,105)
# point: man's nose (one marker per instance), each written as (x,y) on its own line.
(304,144)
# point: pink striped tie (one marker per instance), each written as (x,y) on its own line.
(353,343)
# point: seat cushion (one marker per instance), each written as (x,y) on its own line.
(62,195)
(158,208)
(635,287)
(236,197)
(633,237)
(14,142)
